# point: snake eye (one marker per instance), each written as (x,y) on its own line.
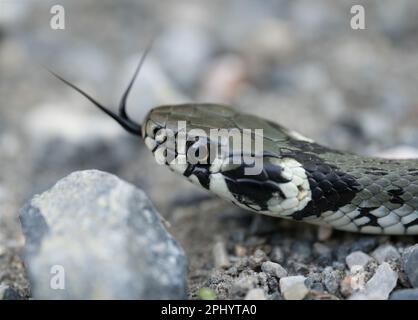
(202,153)
(198,152)
(160,135)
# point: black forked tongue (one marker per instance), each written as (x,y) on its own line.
(122,117)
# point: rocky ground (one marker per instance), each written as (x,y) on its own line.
(297,62)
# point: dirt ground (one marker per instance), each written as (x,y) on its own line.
(297,62)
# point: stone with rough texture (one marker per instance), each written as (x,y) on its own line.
(220,255)
(410,264)
(274,269)
(385,253)
(379,286)
(255,294)
(357,258)
(293,288)
(99,238)
(405,294)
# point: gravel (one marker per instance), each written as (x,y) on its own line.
(357,258)
(274,269)
(293,288)
(331,280)
(404,294)
(294,62)
(220,255)
(91,218)
(385,253)
(255,294)
(410,264)
(379,286)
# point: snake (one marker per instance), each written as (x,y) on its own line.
(299,179)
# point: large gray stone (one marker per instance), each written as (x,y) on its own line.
(102,238)
(410,264)
(385,253)
(405,294)
(379,286)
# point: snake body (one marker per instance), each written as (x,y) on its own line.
(301,179)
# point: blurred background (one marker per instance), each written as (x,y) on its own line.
(295,62)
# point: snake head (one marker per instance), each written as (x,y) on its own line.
(207,144)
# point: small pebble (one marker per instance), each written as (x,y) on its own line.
(257,258)
(323,254)
(365,244)
(314,281)
(321,249)
(255,294)
(3,289)
(277,255)
(220,255)
(332,280)
(324,233)
(293,288)
(386,253)
(405,294)
(8,293)
(206,293)
(357,258)
(379,286)
(240,251)
(410,264)
(302,251)
(274,269)
(2,250)
(243,284)
(354,281)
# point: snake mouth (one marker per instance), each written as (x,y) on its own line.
(281,187)
(186,155)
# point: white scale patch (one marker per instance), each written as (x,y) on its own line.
(218,186)
(296,191)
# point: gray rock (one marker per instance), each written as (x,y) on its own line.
(302,251)
(8,293)
(257,259)
(323,253)
(277,255)
(293,288)
(365,244)
(379,286)
(357,258)
(94,236)
(410,264)
(405,294)
(324,233)
(220,255)
(255,294)
(385,253)
(331,280)
(243,284)
(274,269)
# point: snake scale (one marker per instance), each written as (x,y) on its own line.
(299,180)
